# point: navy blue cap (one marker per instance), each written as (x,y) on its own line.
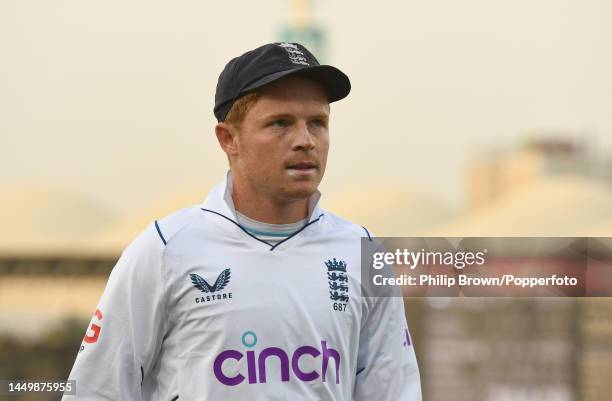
(268,63)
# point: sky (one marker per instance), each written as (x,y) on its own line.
(114,99)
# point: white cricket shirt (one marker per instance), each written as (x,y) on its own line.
(198,309)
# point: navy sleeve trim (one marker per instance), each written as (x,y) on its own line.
(141,375)
(368,233)
(175,398)
(160,233)
(360,370)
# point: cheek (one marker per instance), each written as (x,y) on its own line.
(323,147)
(261,155)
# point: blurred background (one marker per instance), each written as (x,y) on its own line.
(471,118)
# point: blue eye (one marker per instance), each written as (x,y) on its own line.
(280,123)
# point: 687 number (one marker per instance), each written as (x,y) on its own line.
(339,306)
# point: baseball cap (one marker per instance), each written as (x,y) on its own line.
(269,63)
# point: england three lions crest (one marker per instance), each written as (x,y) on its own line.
(338,283)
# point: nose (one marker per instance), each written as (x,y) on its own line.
(303,138)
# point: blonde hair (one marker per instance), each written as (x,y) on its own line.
(240,108)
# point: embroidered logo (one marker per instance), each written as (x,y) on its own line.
(338,283)
(296,56)
(201,284)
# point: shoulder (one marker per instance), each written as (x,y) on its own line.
(349,228)
(149,247)
(169,226)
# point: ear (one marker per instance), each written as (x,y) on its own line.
(227,137)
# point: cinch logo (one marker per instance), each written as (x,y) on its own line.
(256,362)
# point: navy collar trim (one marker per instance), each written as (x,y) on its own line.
(272,247)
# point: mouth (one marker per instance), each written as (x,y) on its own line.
(302,168)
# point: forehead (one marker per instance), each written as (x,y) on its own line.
(293,92)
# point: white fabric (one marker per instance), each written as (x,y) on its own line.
(264,322)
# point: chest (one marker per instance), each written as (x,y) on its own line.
(281,298)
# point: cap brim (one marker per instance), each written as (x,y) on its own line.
(336,83)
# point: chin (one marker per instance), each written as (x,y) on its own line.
(301,190)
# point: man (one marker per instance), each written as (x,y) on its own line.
(254,295)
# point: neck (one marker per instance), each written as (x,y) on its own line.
(265,209)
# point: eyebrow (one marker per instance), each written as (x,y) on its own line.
(274,116)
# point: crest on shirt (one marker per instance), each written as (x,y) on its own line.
(338,283)
(214,291)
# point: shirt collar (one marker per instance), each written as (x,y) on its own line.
(220,200)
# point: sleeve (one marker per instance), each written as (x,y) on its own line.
(124,337)
(387,369)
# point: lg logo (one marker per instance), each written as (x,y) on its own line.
(94,329)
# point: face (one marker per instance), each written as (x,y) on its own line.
(281,147)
